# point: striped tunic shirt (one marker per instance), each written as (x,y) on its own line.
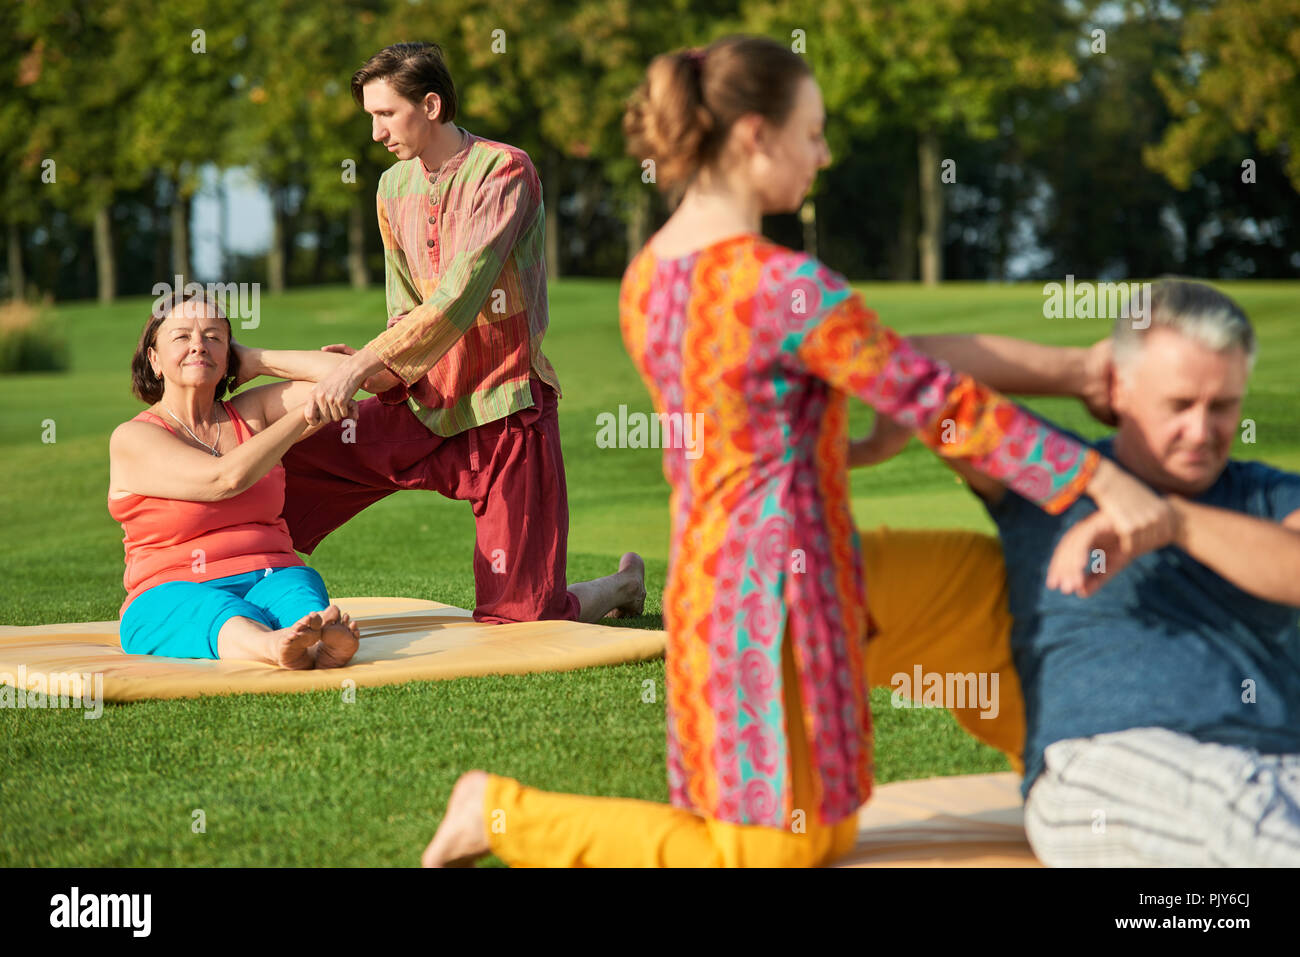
(465,278)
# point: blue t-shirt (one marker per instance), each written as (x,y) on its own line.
(1166,642)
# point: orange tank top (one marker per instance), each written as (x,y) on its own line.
(174,540)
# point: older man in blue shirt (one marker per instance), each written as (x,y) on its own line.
(1161,678)
(1163,709)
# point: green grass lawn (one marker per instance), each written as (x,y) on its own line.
(309,779)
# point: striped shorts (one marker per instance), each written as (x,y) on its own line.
(1151,797)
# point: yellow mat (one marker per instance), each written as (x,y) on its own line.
(402,639)
(967,820)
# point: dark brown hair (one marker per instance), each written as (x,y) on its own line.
(148,387)
(682,112)
(413,70)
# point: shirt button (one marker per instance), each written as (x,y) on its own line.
(431,178)
(433,242)
(433,219)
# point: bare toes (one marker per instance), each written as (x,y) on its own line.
(338,644)
(307,624)
(294,648)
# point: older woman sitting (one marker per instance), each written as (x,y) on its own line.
(198,487)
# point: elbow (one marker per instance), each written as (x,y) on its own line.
(228,484)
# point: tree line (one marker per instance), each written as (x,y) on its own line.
(972,139)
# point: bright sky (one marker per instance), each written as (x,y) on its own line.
(248,222)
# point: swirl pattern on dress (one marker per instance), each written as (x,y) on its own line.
(765,344)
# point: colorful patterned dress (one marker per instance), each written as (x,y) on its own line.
(764,345)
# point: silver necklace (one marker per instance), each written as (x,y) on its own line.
(210,448)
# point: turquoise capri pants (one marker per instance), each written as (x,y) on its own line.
(183,619)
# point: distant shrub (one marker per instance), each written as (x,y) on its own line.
(28,340)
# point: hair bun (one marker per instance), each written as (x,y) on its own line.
(679,117)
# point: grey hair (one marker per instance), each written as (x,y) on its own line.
(1195,310)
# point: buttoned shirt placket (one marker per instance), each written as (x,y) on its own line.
(452,164)
(431,241)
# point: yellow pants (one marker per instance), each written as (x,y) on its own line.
(939,601)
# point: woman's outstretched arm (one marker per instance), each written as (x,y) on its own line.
(300,365)
(151,461)
(841,342)
(1011,366)
(300,368)
(1020,367)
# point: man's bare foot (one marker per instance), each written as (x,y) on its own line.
(339,640)
(462,836)
(292,647)
(632,569)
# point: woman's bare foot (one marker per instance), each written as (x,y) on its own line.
(292,647)
(339,640)
(632,570)
(462,836)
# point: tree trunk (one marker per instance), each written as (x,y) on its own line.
(275,264)
(16,286)
(551,198)
(638,220)
(318,254)
(223,225)
(808,217)
(158,219)
(357,271)
(931,195)
(903,259)
(180,233)
(105,263)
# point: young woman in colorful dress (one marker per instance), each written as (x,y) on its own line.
(769,726)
